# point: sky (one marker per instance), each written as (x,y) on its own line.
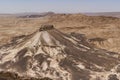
(59,6)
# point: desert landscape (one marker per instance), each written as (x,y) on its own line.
(101,31)
(54,46)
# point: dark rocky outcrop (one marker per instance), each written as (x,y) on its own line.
(112,77)
(14,76)
(46,27)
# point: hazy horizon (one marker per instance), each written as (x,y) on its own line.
(62,6)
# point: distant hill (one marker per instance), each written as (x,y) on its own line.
(5,15)
(28,14)
(113,14)
(33,14)
(38,14)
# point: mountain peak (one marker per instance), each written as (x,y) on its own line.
(46,27)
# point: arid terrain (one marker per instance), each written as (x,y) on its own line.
(59,47)
(103,32)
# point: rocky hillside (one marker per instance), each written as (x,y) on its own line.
(50,53)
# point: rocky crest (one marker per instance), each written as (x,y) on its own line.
(46,27)
(58,56)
